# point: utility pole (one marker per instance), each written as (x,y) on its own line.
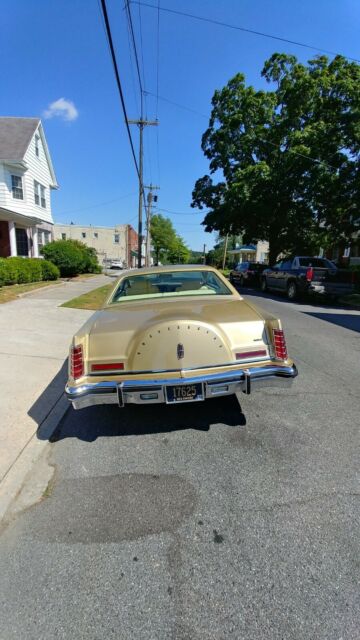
(225,250)
(204,256)
(141,124)
(150,199)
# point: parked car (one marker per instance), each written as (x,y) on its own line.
(114,269)
(247,273)
(297,275)
(175,334)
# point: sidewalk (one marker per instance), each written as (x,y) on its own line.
(35,334)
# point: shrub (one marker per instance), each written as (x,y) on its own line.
(18,270)
(71,257)
(49,270)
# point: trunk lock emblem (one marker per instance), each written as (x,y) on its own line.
(180,351)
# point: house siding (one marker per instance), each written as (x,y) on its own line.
(38,169)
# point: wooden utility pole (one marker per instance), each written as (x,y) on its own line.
(204,255)
(150,198)
(225,250)
(141,124)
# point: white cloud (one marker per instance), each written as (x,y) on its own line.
(61,108)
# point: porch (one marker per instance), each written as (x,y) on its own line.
(22,235)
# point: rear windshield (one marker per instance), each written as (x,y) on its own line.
(255,266)
(172,284)
(321,263)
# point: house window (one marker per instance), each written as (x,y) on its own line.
(39,194)
(116,238)
(83,235)
(96,235)
(22,246)
(47,237)
(37,148)
(63,236)
(40,239)
(16,188)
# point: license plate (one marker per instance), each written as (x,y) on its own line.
(185,393)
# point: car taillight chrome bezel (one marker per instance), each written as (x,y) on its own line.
(279,342)
(77,362)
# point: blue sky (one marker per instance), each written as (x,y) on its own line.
(51,50)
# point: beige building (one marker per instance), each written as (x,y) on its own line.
(110,243)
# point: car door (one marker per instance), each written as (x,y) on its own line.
(237,273)
(272,275)
(283,274)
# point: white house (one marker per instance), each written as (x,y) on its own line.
(26,179)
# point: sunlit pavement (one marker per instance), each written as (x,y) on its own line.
(208,521)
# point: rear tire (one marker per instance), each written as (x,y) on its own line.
(292,291)
(263,285)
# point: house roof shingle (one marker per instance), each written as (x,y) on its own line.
(15,135)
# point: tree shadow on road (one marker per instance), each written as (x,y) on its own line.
(109,420)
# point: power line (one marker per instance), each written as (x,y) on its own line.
(177,104)
(132,34)
(181,213)
(244,29)
(118,81)
(97,205)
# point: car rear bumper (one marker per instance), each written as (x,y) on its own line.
(154,391)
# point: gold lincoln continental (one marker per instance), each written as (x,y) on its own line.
(175,334)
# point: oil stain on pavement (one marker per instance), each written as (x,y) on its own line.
(115,508)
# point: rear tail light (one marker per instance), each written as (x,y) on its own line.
(280,344)
(309,274)
(77,362)
(107,366)
(251,354)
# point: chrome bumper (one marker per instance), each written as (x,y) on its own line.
(153,391)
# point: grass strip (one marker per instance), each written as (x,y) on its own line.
(92,300)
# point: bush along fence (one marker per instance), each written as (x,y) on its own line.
(24,270)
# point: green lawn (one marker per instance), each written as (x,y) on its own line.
(92,300)
(11,292)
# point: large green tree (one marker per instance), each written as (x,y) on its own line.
(168,245)
(287,159)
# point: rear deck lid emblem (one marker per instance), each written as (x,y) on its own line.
(180,351)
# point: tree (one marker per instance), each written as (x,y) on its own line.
(289,157)
(168,245)
(215,256)
(71,257)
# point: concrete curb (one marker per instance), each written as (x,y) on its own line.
(49,286)
(15,478)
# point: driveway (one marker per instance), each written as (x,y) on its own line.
(234,518)
(34,340)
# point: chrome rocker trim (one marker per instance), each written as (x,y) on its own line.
(153,391)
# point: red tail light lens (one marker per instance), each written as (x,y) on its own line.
(251,354)
(77,362)
(107,366)
(309,274)
(280,344)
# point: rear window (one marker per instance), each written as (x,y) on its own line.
(321,263)
(254,266)
(169,284)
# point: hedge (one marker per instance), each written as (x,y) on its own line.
(72,257)
(22,270)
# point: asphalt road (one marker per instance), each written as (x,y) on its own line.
(234,518)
